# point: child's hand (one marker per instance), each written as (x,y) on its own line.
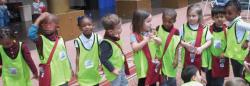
(41,17)
(248,44)
(175,64)
(245,45)
(203,77)
(222,55)
(199,50)
(191,48)
(246,64)
(146,38)
(116,71)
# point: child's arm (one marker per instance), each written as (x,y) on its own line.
(186,45)
(209,37)
(29,61)
(136,46)
(157,40)
(200,49)
(106,53)
(33,30)
(176,58)
(243,25)
(246,65)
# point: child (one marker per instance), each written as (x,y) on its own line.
(112,56)
(191,76)
(236,82)
(196,38)
(219,63)
(87,47)
(143,44)
(4,14)
(237,35)
(60,66)
(15,60)
(170,54)
(38,7)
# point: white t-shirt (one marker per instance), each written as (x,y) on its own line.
(88,42)
(192,83)
(195,27)
(241,28)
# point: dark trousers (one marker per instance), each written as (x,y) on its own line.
(141,82)
(213,81)
(168,81)
(237,68)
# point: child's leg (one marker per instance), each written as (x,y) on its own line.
(124,80)
(164,81)
(141,81)
(209,78)
(121,79)
(237,68)
(217,81)
(117,81)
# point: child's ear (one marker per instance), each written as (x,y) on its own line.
(193,78)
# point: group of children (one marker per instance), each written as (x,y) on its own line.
(205,50)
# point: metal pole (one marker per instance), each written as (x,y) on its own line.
(248,9)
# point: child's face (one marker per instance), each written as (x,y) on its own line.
(231,13)
(219,19)
(197,77)
(37,0)
(116,31)
(168,21)
(193,17)
(49,27)
(86,26)
(147,23)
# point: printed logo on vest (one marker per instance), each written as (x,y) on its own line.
(62,55)
(88,64)
(13,71)
(217,43)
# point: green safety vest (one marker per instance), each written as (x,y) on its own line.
(60,64)
(88,74)
(234,49)
(189,35)
(218,45)
(117,60)
(15,72)
(140,60)
(168,58)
